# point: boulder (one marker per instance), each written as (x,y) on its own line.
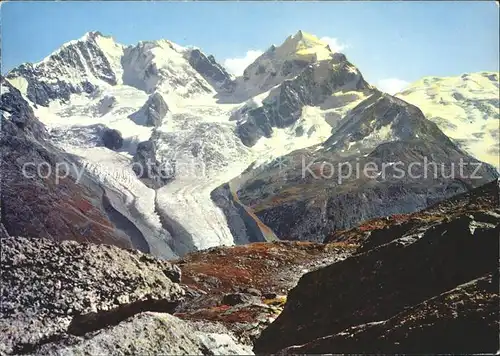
(148,333)
(112,139)
(72,298)
(146,166)
(238,298)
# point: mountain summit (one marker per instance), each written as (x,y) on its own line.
(304,46)
(285,61)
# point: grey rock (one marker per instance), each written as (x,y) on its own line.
(149,334)
(152,112)
(238,298)
(35,201)
(112,139)
(314,192)
(45,83)
(146,166)
(212,71)
(54,288)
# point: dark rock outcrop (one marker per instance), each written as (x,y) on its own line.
(46,80)
(21,114)
(209,69)
(45,194)
(146,166)
(385,159)
(390,298)
(112,139)
(152,112)
(238,298)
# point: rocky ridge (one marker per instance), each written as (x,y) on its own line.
(43,205)
(465,107)
(412,290)
(325,188)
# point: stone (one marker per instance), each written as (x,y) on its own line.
(112,139)
(237,298)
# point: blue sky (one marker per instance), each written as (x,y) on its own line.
(386,40)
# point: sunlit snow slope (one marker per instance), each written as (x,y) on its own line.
(466,108)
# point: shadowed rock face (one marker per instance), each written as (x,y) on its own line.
(153,111)
(112,139)
(415,292)
(44,83)
(363,126)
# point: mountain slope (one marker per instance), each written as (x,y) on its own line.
(466,108)
(385,158)
(415,291)
(81,298)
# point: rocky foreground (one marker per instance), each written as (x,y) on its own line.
(419,283)
(426,285)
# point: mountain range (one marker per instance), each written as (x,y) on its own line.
(216,145)
(153,203)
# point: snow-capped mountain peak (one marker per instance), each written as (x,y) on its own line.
(95,62)
(285,61)
(303,46)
